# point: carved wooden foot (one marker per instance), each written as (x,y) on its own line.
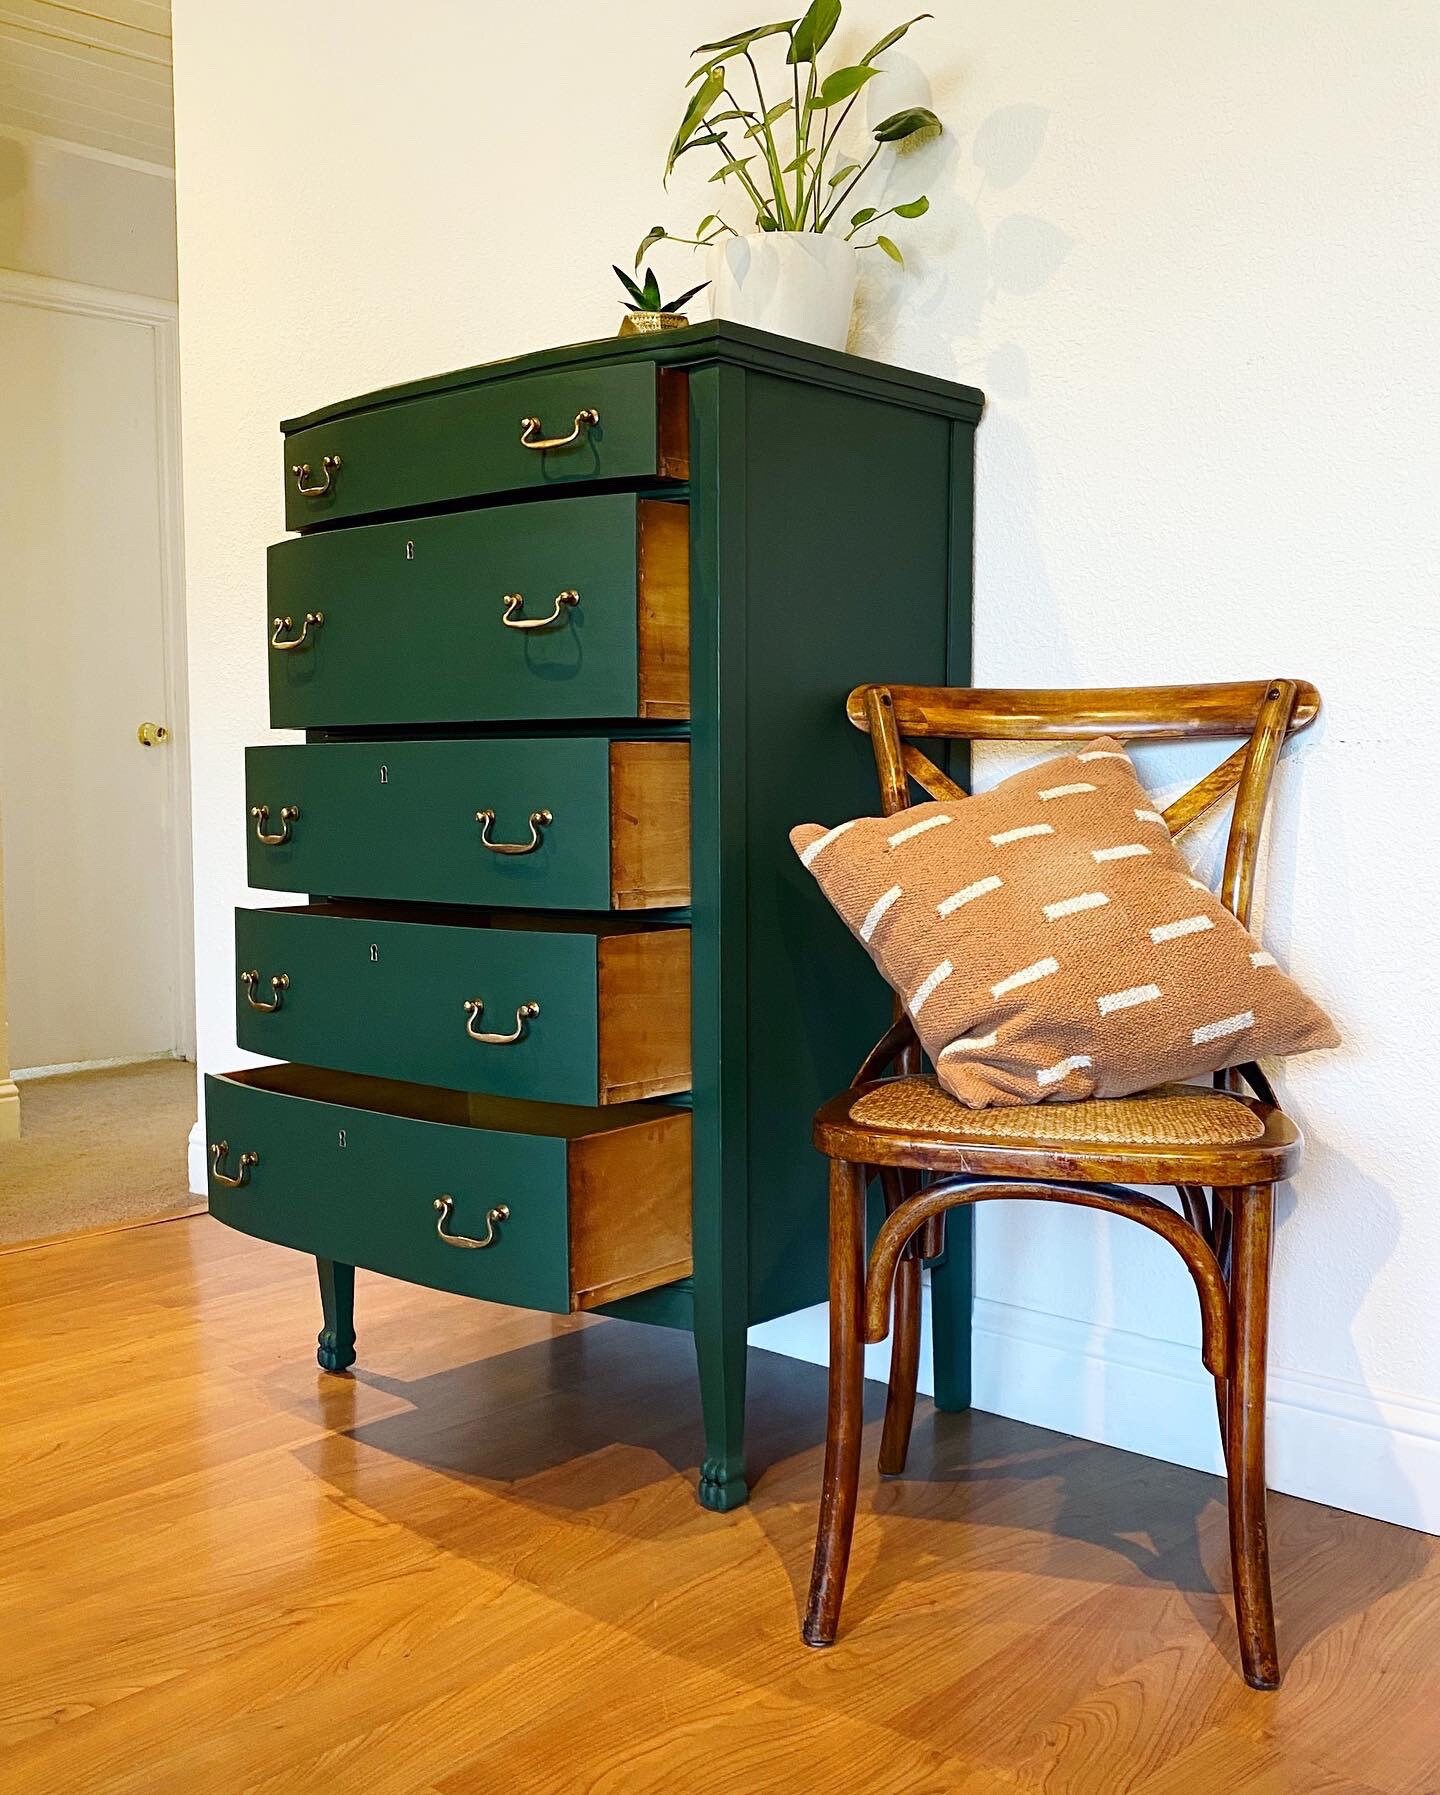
(337,1300)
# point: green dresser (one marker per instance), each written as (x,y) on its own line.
(569,638)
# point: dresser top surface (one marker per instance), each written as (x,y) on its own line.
(714,341)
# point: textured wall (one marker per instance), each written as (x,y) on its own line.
(1188,253)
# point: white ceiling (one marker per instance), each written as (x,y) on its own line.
(93,71)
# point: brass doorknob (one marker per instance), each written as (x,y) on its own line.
(151,735)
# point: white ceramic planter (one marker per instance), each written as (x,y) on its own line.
(796,283)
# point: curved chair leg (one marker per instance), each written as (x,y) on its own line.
(1253,1209)
(1219,1208)
(952,1303)
(847,1396)
(904,1345)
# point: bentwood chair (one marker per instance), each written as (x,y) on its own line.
(1224,1156)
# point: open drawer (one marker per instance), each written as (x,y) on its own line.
(522,1004)
(551,823)
(520,613)
(539,1205)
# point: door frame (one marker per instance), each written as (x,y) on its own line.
(159,316)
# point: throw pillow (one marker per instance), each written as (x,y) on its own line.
(1050,941)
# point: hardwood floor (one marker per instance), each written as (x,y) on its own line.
(477,1565)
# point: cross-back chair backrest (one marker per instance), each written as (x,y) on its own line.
(1263,711)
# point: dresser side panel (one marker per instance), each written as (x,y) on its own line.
(852,575)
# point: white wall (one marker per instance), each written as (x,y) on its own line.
(1188,252)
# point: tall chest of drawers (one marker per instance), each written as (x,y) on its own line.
(568,638)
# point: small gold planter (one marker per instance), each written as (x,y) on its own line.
(644,324)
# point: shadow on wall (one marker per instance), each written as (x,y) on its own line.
(974,250)
(1334,1198)
(1333,1437)
(979,257)
(978,249)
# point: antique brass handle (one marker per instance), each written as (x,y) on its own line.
(289,813)
(313,620)
(584,420)
(539,819)
(475,1008)
(218,1150)
(329,466)
(500,1213)
(513,601)
(279,984)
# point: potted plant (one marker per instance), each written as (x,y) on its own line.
(646,310)
(785,164)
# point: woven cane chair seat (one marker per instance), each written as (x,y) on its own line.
(1172,1116)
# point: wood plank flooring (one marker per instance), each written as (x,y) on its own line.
(477,1565)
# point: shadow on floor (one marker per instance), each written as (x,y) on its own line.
(1006,1496)
(511,1418)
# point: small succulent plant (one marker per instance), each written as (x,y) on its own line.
(647,298)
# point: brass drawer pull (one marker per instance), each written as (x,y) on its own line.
(218,1150)
(539,819)
(279,984)
(584,420)
(289,813)
(500,1213)
(313,620)
(329,466)
(513,601)
(475,1008)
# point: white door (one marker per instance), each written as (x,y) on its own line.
(96,951)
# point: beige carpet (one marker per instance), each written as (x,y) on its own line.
(98,1149)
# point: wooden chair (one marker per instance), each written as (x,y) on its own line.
(932,1154)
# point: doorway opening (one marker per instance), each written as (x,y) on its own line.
(96,961)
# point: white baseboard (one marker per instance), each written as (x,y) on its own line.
(1329,1440)
(21,1073)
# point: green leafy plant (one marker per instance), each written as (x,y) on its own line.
(784,160)
(647,298)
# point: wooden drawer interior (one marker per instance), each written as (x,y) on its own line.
(663,609)
(649,824)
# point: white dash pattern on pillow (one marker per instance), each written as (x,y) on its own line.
(1055,957)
